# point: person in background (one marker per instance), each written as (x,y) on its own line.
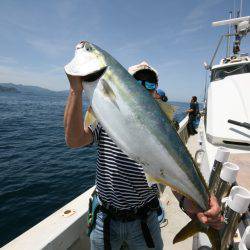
(160,94)
(147,76)
(193,113)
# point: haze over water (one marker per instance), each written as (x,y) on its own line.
(39,173)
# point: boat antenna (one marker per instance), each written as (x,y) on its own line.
(241,4)
(242,27)
(205,90)
(234,13)
(228,36)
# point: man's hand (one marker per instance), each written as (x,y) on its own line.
(76,85)
(211,217)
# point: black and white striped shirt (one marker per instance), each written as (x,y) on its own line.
(120,181)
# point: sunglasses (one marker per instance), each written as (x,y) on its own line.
(147,85)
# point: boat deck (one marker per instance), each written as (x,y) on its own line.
(176,220)
(176,217)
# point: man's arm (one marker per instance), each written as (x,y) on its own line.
(191,108)
(189,111)
(75,133)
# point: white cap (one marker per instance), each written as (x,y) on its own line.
(141,66)
(222,154)
(229,172)
(245,240)
(239,199)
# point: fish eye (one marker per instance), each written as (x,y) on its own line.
(88,47)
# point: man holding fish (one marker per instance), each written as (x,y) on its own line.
(133,136)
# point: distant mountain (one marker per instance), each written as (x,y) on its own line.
(20,88)
(63,92)
(8,89)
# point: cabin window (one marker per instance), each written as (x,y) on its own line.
(221,73)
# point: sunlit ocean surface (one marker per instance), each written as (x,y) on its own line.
(38,172)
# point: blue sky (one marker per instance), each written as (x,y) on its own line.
(37,38)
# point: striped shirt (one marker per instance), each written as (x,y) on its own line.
(120,181)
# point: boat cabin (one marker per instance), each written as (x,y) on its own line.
(229,99)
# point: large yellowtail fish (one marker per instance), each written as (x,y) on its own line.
(134,120)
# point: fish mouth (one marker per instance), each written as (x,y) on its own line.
(94,76)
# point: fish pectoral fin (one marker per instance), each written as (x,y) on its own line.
(195,226)
(151,179)
(108,92)
(90,118)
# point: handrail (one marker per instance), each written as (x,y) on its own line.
(183,132)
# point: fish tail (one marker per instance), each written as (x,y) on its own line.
(195,226)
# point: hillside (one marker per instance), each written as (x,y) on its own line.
(25,89)
(8,89)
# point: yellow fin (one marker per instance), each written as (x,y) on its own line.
(151,179)
(90,118)
(167,108)
(195,226)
